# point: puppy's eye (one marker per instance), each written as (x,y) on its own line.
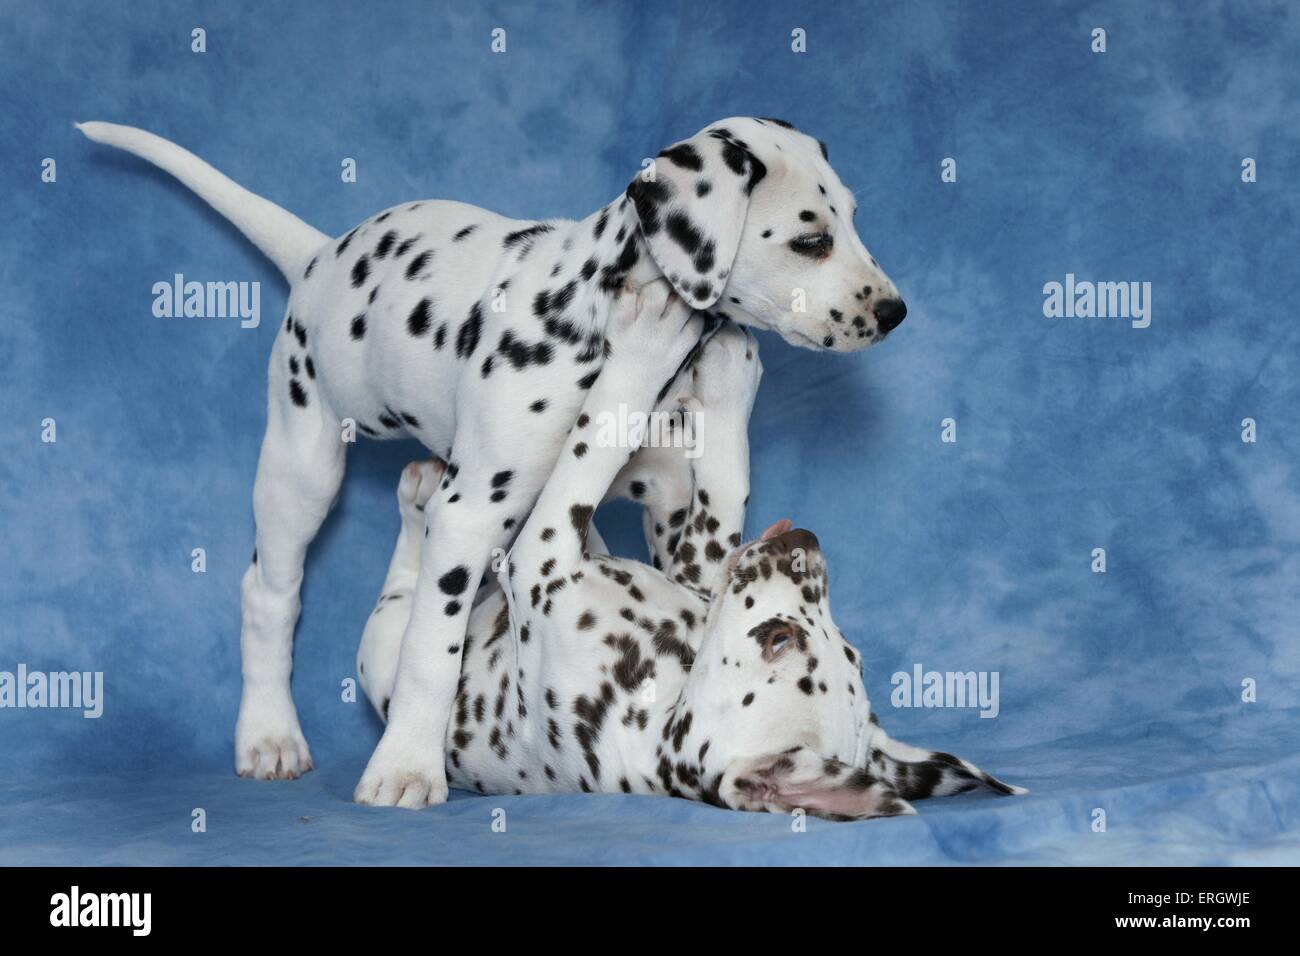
(817,244)
(777,642)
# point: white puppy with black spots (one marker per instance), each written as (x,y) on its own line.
(480,336)
(722,680)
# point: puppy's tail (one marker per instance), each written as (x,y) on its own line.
(916,773)
(284,238)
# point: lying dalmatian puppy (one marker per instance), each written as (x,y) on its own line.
(719,680)
(480,336)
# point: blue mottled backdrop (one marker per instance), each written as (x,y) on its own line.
(1120,691)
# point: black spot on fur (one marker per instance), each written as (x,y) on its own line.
(740,160)
(297,394)
(417,323)
(613,274)
(463,233)
(685,156)
(468,335)
(580,516)
(520,354)
(523,239)
(454,581)
(360,271)
(416,265)
(683,232)
(550,305)
(648,197)
(666,642)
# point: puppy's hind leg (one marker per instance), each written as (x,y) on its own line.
(381,643)
(298,475)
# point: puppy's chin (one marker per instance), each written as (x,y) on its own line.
(841,345)
(804,342)
(801,340)
(789,334)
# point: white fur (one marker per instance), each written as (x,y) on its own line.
(727,246)
(586,672)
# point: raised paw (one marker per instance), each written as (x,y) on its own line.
(728,370)
(418,483)
(403,773)
(269,744)
(653,331)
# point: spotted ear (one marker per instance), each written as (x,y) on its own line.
(692,211)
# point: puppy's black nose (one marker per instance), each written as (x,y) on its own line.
(889,313)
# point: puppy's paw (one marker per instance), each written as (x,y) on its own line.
(269,744)
(728,370)
(652,332)
(403,773)
(418,483)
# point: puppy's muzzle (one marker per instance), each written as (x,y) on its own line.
(889,313)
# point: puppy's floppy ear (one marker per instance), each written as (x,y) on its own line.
(693,211)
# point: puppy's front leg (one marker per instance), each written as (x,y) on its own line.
(381,642)
(491,481)
(407,768)
(649,336)
(725,381)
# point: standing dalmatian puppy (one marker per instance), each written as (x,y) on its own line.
(722,678)
(481,336)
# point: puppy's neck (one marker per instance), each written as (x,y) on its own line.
(618,252)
